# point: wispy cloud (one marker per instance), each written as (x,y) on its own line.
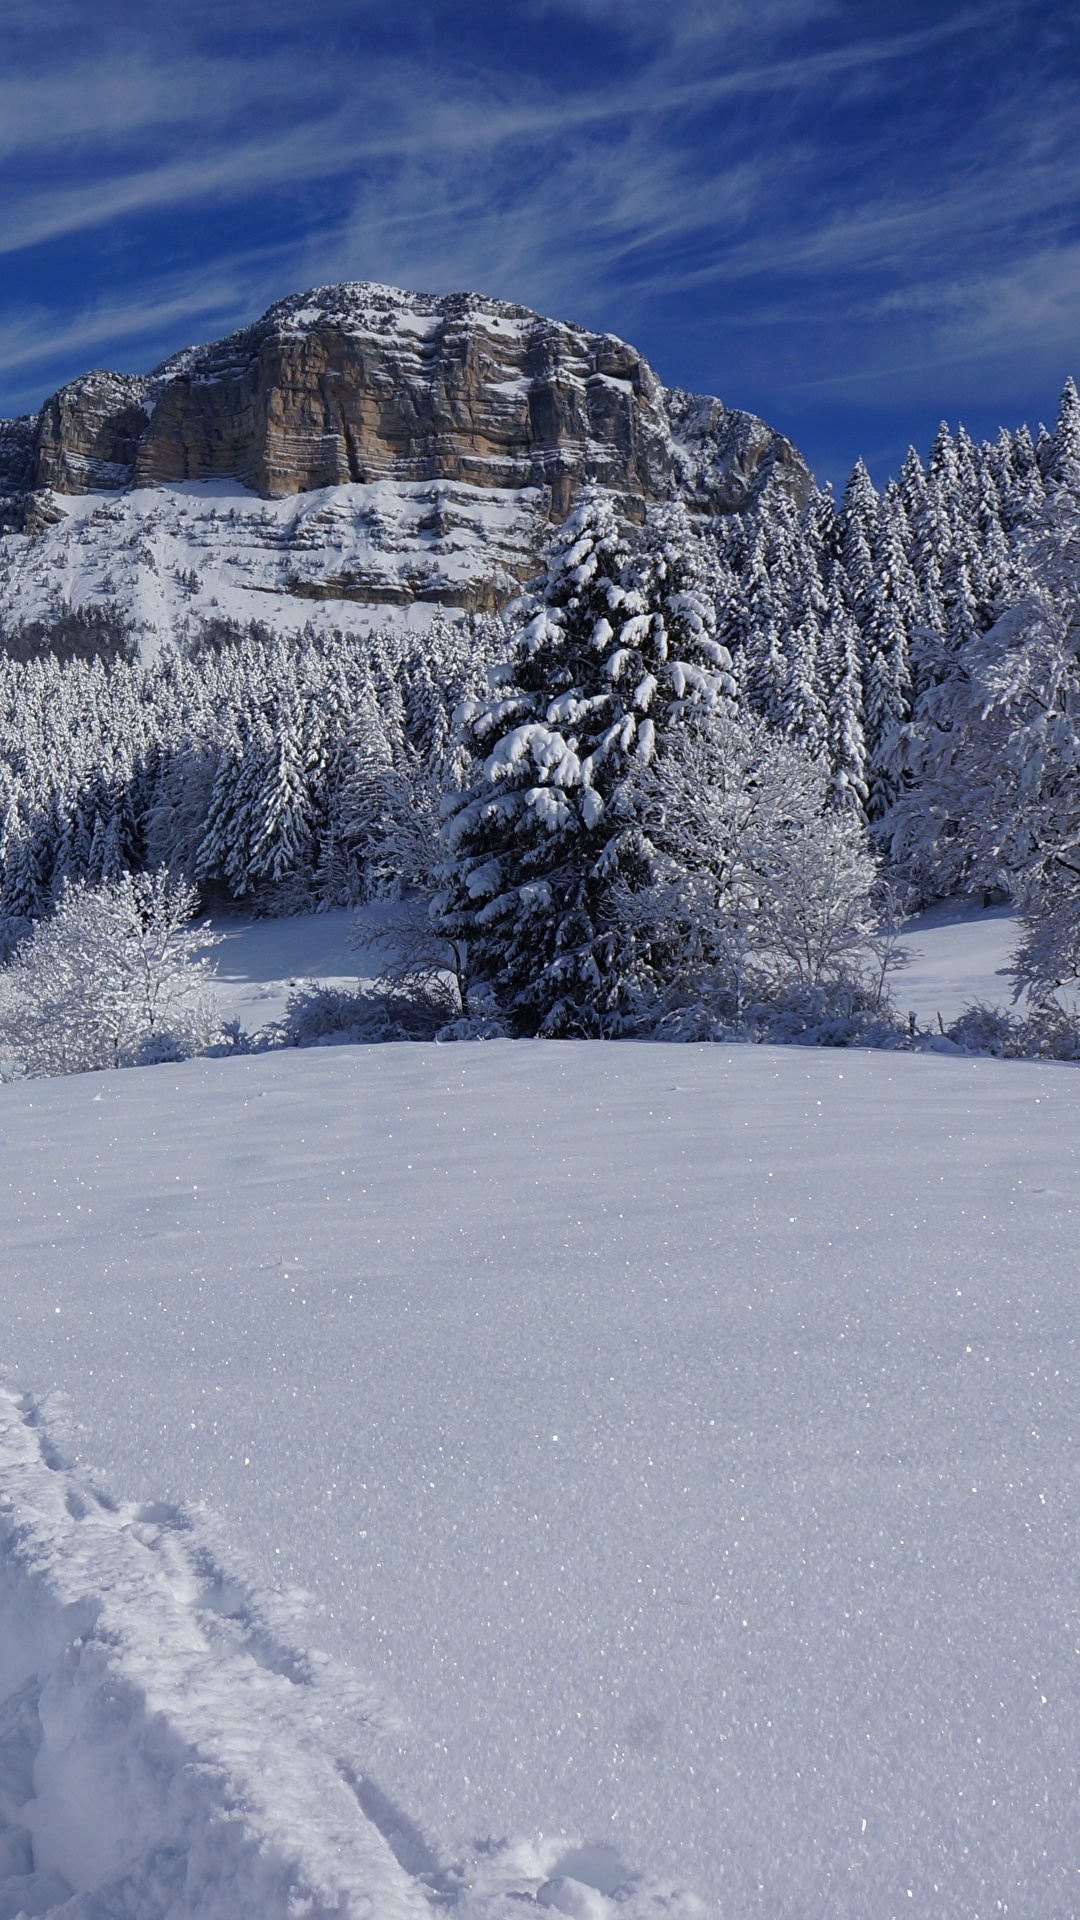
(816,183)
(218,295)
(1026,311)
(106,100)
(222,174)
(397,112)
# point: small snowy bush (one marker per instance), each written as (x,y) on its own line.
(834,1013)
(114,978)
(473,1027)
(837,1013)
(983,1029)
(1047,1032)
(325,1016)
(316,1013)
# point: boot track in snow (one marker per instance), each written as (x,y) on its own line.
(168,1753)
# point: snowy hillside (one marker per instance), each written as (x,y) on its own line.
(673,1444)
(178,559)
(952,956)
(259,962)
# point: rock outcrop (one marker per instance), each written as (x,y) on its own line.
(361,383)
(358,456)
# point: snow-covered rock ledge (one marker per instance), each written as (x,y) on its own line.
(163,1751)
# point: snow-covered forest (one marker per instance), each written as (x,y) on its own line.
(887,685)
(295,773)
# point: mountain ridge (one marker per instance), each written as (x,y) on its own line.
(405,448)
(359,381)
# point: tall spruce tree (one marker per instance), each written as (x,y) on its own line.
(858,516)
(611,656)
(802,713)
(1062,472)
(846,738)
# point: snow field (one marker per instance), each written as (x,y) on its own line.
(261,962)
(956,953)
(680,1441)
(166,1750)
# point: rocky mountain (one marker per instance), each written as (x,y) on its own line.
(358,445)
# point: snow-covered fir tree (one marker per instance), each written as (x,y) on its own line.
(616,652)
(858,520)
(846,740)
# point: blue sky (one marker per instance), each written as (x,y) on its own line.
(853,218)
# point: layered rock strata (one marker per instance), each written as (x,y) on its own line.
(361,383)
(358,455)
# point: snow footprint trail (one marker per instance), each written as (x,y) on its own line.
(163,1750)
(168,1753)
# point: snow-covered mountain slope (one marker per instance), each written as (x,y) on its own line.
(167,564)
(678,1442)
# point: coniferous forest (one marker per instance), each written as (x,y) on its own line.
(902,666)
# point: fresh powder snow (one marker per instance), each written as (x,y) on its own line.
(637,1479)
(952,955)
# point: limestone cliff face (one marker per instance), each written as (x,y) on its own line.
(87,436)
(357,453)
(360,383)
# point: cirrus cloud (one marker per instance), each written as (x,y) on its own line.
(803,204)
